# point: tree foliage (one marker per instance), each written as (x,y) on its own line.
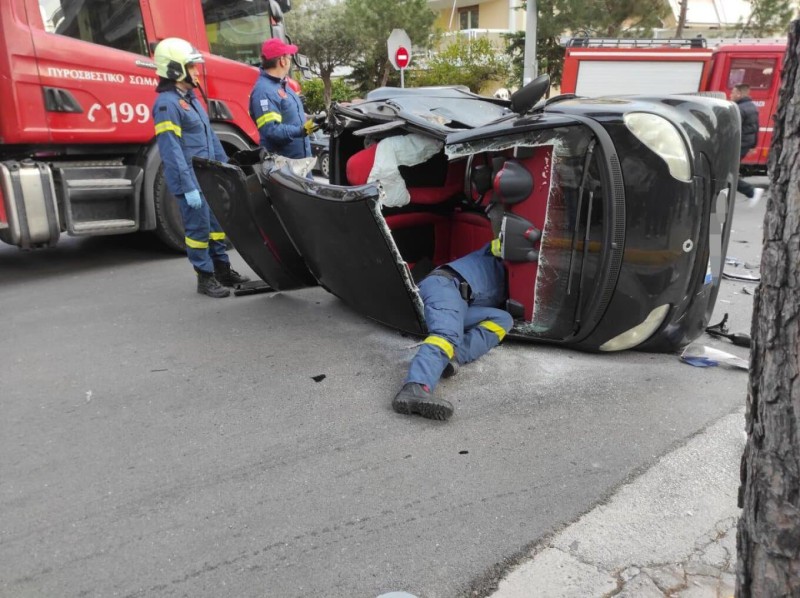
(314,93)
(591,18)
(374,21)
(474,63)
(767,17)
(323,32)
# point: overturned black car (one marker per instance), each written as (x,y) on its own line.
(613,214)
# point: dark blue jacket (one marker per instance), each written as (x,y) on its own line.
(485,275)
(279,116)
(749,113)
(183,131)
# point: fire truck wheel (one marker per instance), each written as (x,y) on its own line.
(169,225)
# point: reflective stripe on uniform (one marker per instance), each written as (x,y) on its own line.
(196,244)
(492,327)
(167,125)
(220,236)
(443,344)
(268,117)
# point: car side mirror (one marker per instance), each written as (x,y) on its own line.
(524,99)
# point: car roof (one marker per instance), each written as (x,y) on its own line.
(446,108)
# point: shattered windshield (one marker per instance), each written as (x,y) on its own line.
(237,28)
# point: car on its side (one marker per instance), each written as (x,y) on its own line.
(613,214)
(319,149)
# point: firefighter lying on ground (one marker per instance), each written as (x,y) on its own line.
(182,132)
(464,322)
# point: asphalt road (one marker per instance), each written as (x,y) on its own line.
(156,442)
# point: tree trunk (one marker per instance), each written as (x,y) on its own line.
(768,541)
(682,18)
(327,89)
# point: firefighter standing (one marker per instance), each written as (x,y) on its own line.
(463,323)
(182,132)
(274,106)
(740,94)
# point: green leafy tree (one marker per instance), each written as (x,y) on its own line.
(591,18)
(767,17)
(324,33)
(473,63)
(374,20)
(314,93)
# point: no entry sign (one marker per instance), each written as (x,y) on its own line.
(402,57)
(399,46)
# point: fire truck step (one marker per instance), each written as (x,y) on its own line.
(107,226)
(100,199)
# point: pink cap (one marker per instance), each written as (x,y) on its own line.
(274,47)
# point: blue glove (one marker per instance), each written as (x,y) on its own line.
(193,198)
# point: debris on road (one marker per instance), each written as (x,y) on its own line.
(741,339)
(703,357)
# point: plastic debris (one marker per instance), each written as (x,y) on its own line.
(318,378)
(733,261)
(704,357)
(746,291)
(743,276)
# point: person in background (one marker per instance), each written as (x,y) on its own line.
(740,94)
(274,106)
(182,132)
(464,322)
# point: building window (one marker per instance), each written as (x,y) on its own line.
(468,17)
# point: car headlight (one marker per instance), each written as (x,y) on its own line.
(638,334)
(661,136)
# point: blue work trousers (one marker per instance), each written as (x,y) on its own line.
(456,330)
(205,241)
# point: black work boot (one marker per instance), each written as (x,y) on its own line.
(208,285)
(417,399)
(451,369)
(227,276)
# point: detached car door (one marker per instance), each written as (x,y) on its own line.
(242,209)
(347,246)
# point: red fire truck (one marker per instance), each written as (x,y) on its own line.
(596,67)
(77,80)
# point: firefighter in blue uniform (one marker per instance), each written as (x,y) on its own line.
(183,131)
(275,108)
(461,312)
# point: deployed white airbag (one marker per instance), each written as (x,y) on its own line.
(393,152)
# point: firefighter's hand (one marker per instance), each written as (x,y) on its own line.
(310,126)
(193,199)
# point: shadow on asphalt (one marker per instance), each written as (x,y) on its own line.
(75,255)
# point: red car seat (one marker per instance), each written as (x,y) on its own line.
(360,165)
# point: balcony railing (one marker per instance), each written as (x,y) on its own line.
(493,35)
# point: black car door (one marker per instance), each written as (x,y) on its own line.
(245,214)
(347,246)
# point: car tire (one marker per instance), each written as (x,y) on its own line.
(324,165)
(169,224)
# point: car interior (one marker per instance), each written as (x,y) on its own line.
(457,206)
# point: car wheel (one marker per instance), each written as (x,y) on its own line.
(169,224)
(324,165)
